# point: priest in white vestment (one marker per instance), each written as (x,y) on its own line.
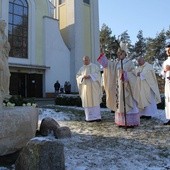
(146,92)
(166,74)
(90,89)
(119,83)
(109,83)
(125,77)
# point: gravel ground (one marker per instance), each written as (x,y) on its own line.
(104,146)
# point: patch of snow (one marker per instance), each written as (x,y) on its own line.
(104,146)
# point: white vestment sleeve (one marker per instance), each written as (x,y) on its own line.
(162,72)
(142,76)
(94,76)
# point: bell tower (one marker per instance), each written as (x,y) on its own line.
(79,26)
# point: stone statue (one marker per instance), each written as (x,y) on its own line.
(4,68)
(26,117)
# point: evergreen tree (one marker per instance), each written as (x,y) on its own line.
(151,48)
(155,47)
(108,43)
(168,35)
(140,46)
(105,35)
(124,37)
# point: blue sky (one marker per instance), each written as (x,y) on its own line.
(151,16)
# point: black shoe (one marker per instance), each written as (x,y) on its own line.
(89,121)
(124,127)
(98,120)
(148,117)
(130,126)
(167,123)
(145,117)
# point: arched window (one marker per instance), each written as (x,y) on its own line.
(18,28)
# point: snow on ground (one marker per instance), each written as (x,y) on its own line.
(104,146)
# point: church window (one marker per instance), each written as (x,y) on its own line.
(61,2)
(18,28)
(86,1)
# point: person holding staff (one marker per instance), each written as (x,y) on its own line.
(122,83)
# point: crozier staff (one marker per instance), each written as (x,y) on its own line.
(119,84)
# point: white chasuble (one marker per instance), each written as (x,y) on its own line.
(146,90)
(129,85)
(167,88)
(90,90)
(110,85)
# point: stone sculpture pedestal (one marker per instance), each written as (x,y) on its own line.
(17,126)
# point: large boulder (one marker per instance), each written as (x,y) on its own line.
(41,154)
(49,125)
(17,126)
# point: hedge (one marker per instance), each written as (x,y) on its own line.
(75,100)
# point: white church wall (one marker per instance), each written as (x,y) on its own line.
(77,33)
(75,38)
(0,8)
(46,46)
(95,30)
(56,54)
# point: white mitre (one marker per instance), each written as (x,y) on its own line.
(124,47)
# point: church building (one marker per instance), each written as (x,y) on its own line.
(48,39)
